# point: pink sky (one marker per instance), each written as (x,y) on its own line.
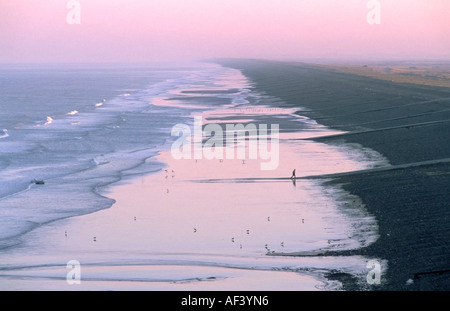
(166,30)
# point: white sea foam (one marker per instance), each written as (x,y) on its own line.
(48,121)
(72,113)
(5,134)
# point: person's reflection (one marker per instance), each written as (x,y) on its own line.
(293,178)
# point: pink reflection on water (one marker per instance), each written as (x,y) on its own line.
(218,214)
(213,207)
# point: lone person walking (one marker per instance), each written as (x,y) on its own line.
(293,174)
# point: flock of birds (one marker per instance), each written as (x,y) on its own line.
(266,246)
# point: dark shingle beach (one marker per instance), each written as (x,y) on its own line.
(409,124)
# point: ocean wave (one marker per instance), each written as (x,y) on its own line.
(49,121)
(5,134)
(72,113)
(100,103)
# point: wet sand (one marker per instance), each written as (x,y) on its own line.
(180,230)
(213,225)
(408,124)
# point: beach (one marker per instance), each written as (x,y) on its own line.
(141,216)
(371,161)
(405,122)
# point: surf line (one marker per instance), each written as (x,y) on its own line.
(241,142)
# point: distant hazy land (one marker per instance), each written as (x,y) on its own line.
(426,73)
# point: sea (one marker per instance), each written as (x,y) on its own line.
(62,122)
(67,131)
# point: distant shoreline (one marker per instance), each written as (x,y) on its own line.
(429,73)
(403,72)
